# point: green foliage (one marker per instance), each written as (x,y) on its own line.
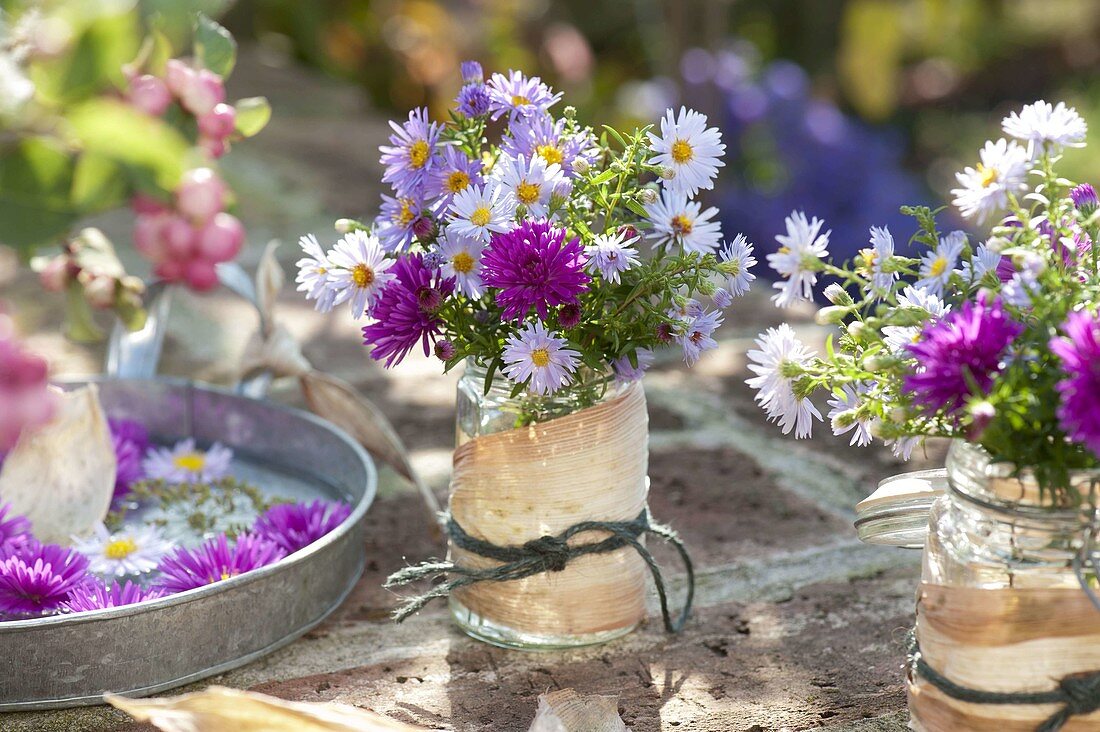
(214,46)
(253,114)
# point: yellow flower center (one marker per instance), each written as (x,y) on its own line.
(550,153)
(528,193)
(418,153)
(120,548)
(480,216)
(362,276)
(457,181)
(682,152)
(784,250)
(682,225)
(519,100)
(870,256)
(227,575)
(462,262)
(540,357)
(405,216)
(988,175)
(938,266)
(192,462)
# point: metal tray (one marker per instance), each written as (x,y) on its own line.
(72,660)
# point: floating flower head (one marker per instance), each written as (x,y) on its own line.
(690,149)
(737,261)
(37,578)
(544,137)
(611,255)
(679,221)
(95,595)
(1042,123)
(984,189)
(519,96)
(1079,351)
(215,560)
(962,350)
(798,258)
(481,211)
(401,221)
(626,372)
(411,153)
(534,267)
(15,530)
(938,265)
(876,258)
(362,270)
(453,173)
(461,260)
(128,552)
(778,362)
(530,181)
(315,274)
(131,441)
(185,463)
(540,356)
(294,526)
(406,311)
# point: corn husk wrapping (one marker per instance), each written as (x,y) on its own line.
(511,487)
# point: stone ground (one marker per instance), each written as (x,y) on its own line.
(798,625)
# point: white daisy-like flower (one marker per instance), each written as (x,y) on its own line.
(541,356)
(882,248)
(985,188)
(610,255)
(899,337)
(531,181)
(737,259)
(677,220)
(902,447)
(134,550)
(777,362)
(462,260)
(185,463)
(800,251)
(937,266)
(844,415)
(690,149)
(479,211)
(315,274)
(1042,123)
(1020,288)
(360,270)
(982,261)
(696,335)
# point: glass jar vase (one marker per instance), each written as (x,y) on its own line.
(528,467)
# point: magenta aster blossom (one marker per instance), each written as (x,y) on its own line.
(411,152)
(1084,198)
(97,596)
(405,312)
(215,560)
(1079,350)
(37,578)
(294,526)
(534,267)
(131,440)
(15,531)
(964,347)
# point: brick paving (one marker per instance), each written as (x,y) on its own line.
(798,626)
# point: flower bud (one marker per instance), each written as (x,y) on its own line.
(648,196)
(581,166)
(346,226)
(668,173)
(202,91)
(219,122)
(722,298)
(981,414)
(832,315)
(100,291)
(471,74)
(149,94)
(444,350)
(1084,199)
(837,295)
(179,76)
(856,330)
(53,273)
(570,112)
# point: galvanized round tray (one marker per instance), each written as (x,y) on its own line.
(72,660)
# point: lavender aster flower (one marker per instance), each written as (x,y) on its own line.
(965,347)
(406,311)
(625,372)
(1079,351)
(185,463)
(37,578)
(543,136)
(97,596)
(736,258)
(473,100)
(471,72)
(696,336)
(1084,199)
(411,152)
(539,358)
(399,220)
(519,96)
(15,531)
(130,440)
(534,267)
(294,526)
(611,255)
(453,173)
(215,560)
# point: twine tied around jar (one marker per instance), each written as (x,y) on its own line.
(545,554)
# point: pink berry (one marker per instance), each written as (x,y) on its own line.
(142,204)
(55,275)
(200,195)
(150,94)
(201,275)
(221,240)
(203,92)
(180,237)
(169,270)
(149,235)
(213,147)
(218,123)
(180,77)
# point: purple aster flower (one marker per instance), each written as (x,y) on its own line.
(519,96)
(294,526)
(697,335)
(411,152)
(452,173)
(1079,351)
(405,312)
(37,578)
(534,267)
(964,347)
(1084,198)
(215,560)
(97,596)
(15,531)
(473,100)
(445,350)
(131,440)
(400,221)
(625,372)
(471,72)
(545,137)
(569,315)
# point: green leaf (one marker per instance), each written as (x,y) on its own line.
(113,130)
(79,324)
(36,178)
(97,184)
(602,178)
(253,115)
(214,46)
(636,207)
(618,138)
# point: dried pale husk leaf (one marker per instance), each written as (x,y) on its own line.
(269,280)
(567,711)
(62,476)
(218,709)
